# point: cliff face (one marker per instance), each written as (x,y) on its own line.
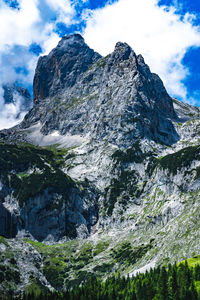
(85,99)
(111,158)
(116,98)
(62,67)
(38,199)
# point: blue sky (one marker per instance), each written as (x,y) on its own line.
(165,32)
(192,57)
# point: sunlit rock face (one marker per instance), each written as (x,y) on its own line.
(84,100)
(117,98)
(111,161)
(63,66)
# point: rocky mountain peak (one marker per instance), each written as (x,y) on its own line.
(122,51)
(72,39)
(104,157)
(115,98)
(62,67)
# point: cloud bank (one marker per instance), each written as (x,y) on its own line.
(33,22)
(157,32)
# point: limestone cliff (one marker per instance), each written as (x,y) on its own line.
(105,156)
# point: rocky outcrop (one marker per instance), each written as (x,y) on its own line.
(121,168)
(8,223)
(62,67)
(94,101)
(37,199)
(114,98)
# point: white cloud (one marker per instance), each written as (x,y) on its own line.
(17,26)
(27,25)
(24,26)
(10,114)
(49,43)
(18,30)
(63,8)
(159,34)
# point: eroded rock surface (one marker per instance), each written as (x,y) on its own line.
(119,166)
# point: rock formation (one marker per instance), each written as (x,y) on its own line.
(111,159)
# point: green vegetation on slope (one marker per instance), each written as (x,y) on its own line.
(180,159)
(73,269)
(172,283)
(29,170)
(71,263)
(56,260)
(9,272)
(64,264)
(126,254)
(133,154)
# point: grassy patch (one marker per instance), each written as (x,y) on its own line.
(3,241)
(100,63)
(133,154)
(36,288)
(125,182)
(100,247)
(124,253)
(7,273)
(85,254)
(104,268)
(192,261)
(56,260)
(73,103)
(124,186)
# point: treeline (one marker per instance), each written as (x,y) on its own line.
(173,283)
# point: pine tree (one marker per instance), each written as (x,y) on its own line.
(163,287)
(173,284)
(197,272)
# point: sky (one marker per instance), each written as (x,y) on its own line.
(165,32)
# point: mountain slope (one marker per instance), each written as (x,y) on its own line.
(111,157)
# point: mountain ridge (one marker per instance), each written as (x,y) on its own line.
(106,164)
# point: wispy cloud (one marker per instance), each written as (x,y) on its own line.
(12,113)
(33,21)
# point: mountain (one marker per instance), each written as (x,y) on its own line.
(102,175)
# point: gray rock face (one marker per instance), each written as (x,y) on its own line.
(116,98)
(62,67)
(49,217)
(38,199)
(133,156)
(8,223)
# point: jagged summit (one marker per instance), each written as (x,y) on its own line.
(123,50)
(114,98)
(62,67)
